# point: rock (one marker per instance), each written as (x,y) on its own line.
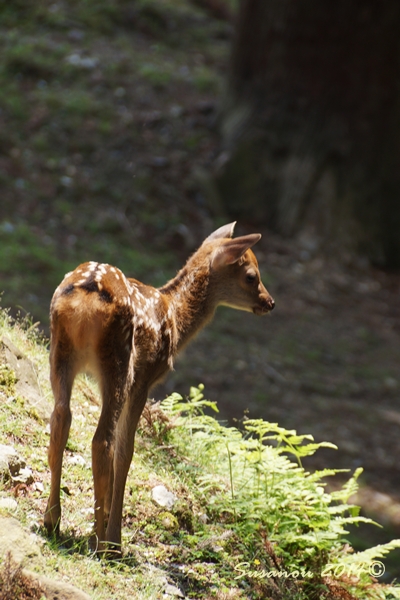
(390,384)
(159,578)
(14,467)
(38,486)
(157,575)
(57,590)
(10,463)
(8,503)
(172,590)
(163,497)
(24,547)
(77,459)
(203,518)
(24,475)
(26,386)
(18,542)
(176,111)
(84,62)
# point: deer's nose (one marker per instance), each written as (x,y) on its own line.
(265,298)
(268,301)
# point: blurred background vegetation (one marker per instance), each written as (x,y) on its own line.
(130,129)
(106,109)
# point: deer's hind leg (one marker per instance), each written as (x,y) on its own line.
(62,375)
(114,374)
(124,443)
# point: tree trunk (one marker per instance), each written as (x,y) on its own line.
(311,122)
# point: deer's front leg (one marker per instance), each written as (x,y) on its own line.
(124,443)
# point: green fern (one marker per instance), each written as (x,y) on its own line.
(253,480)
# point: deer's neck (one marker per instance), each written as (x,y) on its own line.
(190,302)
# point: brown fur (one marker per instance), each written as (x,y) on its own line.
(127,334)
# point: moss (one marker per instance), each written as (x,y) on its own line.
(8,380)
(168,521)
(184,515)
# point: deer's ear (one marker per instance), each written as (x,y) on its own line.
(226,231)
(232,250)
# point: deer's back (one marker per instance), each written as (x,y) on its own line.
(100,310)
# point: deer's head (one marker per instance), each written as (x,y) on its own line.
(234,271)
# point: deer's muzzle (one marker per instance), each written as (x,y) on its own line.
(264,305)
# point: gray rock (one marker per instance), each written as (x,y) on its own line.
(77,459)
(24,475)
(10,462)
(14,467)
(172,590)
(57,590)
(18,542)
(8,503)
(157,575)
(27,384)
(159,578)
(24,548)
(163,497)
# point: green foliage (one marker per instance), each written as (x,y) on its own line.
(77,143)
(206,80)
(157,76)
(7,379)
(254,481)
(32,59)
(20,248)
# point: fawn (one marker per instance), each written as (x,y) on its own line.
(127,334)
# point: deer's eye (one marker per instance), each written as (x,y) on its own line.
(250,277)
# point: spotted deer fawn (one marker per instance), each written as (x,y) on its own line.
(127,335)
